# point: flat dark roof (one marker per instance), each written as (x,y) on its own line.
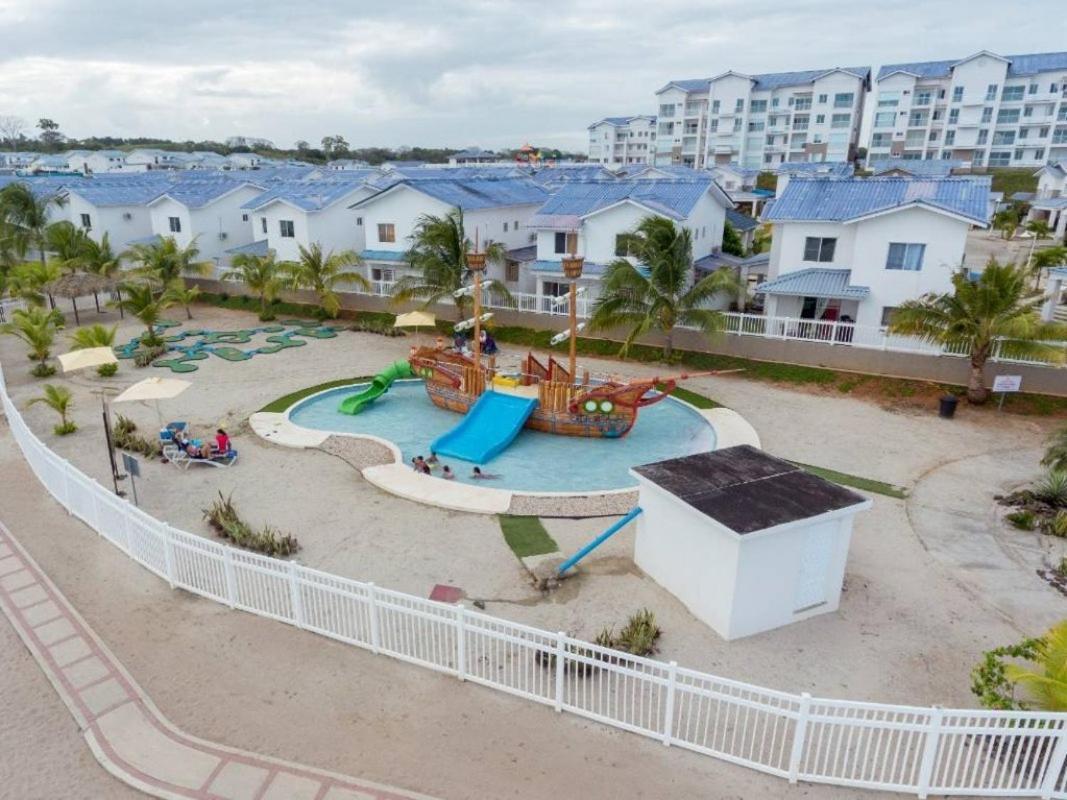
(747,490)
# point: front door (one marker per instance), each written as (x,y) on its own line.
(807,311)
(815,558)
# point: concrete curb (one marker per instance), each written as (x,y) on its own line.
(125,731)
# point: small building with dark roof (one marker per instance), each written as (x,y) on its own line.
(748,542)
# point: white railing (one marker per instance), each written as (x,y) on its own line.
(798,737)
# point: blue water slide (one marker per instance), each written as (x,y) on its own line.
(487,429)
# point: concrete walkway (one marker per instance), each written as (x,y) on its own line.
(952,510)
(125,731)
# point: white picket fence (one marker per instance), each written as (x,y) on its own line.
(906,749)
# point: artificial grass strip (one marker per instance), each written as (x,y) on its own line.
(694,399)
(282,403)
(526,536)
(856,482)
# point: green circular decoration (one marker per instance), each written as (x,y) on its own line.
(590,406)
(607,406)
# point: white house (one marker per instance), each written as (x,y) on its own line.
(294,213)
(761,120)
(1050,201)
(473,155)
(494,210)
(244,160)
(809,169)
(855,249)
(983,110)
(623,140)
(116,206)
(205,210)
(150,158)
(588,219)
(343,164)
(95,162)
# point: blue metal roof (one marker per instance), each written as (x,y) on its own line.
(835,169)
(477,193)
(930,167)
(741,222)
(128,192)
(1018,66)
(620,121)
(816,282)
(257,248)
(689,85)
(154,238)
(311,195)
(768,81)
(673,198)
(383,255)
(845,199)
(194,193)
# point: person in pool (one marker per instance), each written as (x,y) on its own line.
(447,473)
(478,475)
(432,461)
(419,465)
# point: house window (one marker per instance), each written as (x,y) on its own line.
(740,106)
(819,248)
(505,227)
(957,94)
(386,232)
(884,119)
(953,116)
(822,98)
(840,120)
(887,315)
(1012,93)
(1003,137)
(1033,89)
(244,218)
(820,119)
(511,271)
(715,106)
(87,222)
(950,137)
(999,158)
(843,100)
(175,224)
(922,98)
(905,256)
(566,242)
(263,223)
(286,228)
(359,222)
(983,136)
(991,92)
(1007,116)
(757,107)
(622,246)
(383,274)
(516,225)
(987,114)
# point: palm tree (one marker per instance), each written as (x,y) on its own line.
(1056,455)
(1047,681)
(66,242)
(59,399)
(322,272)
(26,217)
(1006,221)
(977,315)
(262,275)
(96,336)
(30,280)
(165,263)
(142,302)
(99,259)
(37,328)
(1055,256)
(183,295)
(666,296)
(438,250)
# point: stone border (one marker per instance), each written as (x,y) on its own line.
(730,428)
(122,726)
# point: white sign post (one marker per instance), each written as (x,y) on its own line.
(1005,384)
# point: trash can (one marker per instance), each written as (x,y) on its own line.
(948,406)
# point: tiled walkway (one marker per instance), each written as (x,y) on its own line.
(126,732)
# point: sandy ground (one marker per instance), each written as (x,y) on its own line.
(908,631)
(263,686)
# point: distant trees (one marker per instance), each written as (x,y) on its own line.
(50,136)
(12,130)
(731,241)
(334,146)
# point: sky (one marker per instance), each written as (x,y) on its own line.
(491,73)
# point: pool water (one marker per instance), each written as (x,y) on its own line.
(535,461)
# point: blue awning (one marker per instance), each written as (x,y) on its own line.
(258,248)
(383,255)
(832,283)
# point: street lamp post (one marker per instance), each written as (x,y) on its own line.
(572,270)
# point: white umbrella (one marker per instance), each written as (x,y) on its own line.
(154,389)
(89,357)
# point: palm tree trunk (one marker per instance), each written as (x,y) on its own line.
(977,393)
(188,313)
(668,345)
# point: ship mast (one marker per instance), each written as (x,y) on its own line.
(476,264)
(572,270)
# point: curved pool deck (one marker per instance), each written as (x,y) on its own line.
(727,428)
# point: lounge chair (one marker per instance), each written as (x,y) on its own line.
(180,458)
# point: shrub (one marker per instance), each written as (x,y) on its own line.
(375,326)
(43,370)
(146,354)
(124,436)
(223,517)
(640,634)
(1057,524)
(1023,520)
(107,370)
(1052,489)
(64,428)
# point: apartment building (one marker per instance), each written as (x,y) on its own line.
(983,110)
(622,140)
(853,249)
(759,121)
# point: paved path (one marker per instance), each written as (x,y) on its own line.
(125,731)
(952,510)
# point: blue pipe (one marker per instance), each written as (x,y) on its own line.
(593,545)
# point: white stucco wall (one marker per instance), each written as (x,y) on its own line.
(224,215)
(121,223)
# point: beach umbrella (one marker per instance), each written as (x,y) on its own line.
(153,389)
(89,357)
(416,320)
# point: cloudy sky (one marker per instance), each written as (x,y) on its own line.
(446,72)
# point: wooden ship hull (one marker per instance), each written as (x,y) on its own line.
(606,410)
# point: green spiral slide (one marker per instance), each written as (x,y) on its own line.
(355,403)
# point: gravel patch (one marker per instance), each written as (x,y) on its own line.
(357,451)
(591,505)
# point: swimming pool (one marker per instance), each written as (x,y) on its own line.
(535,462)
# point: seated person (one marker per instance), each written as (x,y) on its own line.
(222,441)
(181,439)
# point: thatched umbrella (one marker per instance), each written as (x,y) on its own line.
(79,284)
